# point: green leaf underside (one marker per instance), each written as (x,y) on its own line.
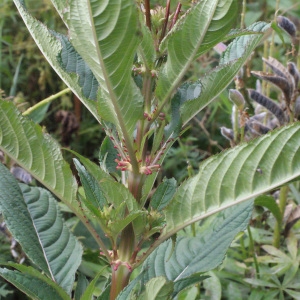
(200,94)
(18,219)
(105,35)
(233,177)
(46,240)
(207,21)
(51,48)
(37,153)
(201,253)
(34,284)
(61,249)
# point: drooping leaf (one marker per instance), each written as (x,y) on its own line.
(105,35)
(206,22)
(47,241)
(233,177)
(51,47)
(201,253)
(270,204)
(212,84)
(37,153)
(33,283)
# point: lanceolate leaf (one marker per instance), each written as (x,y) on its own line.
(51,48)
(47,241)
(212,84)
(201,253)
(37,153)
(105,35)
(235,176)
(208,20)
(33,283)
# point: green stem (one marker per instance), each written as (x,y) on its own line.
(45,101)
(236,125)
(278,223)
(243,14)
(251,248)
(119,280)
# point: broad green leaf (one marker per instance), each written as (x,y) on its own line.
(37,153)
(51,47)
(270,203)
(18,219)
(33,217)
(213,286)
(212,84)
(201,253)
(232,177)
(163,194)
(34,284)
(105,35)
(206,22)
(92,189)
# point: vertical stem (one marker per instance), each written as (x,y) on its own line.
(243,14)
(163,32)
(251,247)
(119,280)
(278,224)
(148,14)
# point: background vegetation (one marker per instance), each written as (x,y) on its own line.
(26,78)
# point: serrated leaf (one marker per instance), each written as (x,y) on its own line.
(201,253)
(108,154)
(212,84)
(34,284)
(37,153)
(93,192)
(163,194)
(32,216)
(146,50)
(51,48)
(206,22)
(184,283)
(105,35)
(232,177)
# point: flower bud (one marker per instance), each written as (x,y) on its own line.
(237,98)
